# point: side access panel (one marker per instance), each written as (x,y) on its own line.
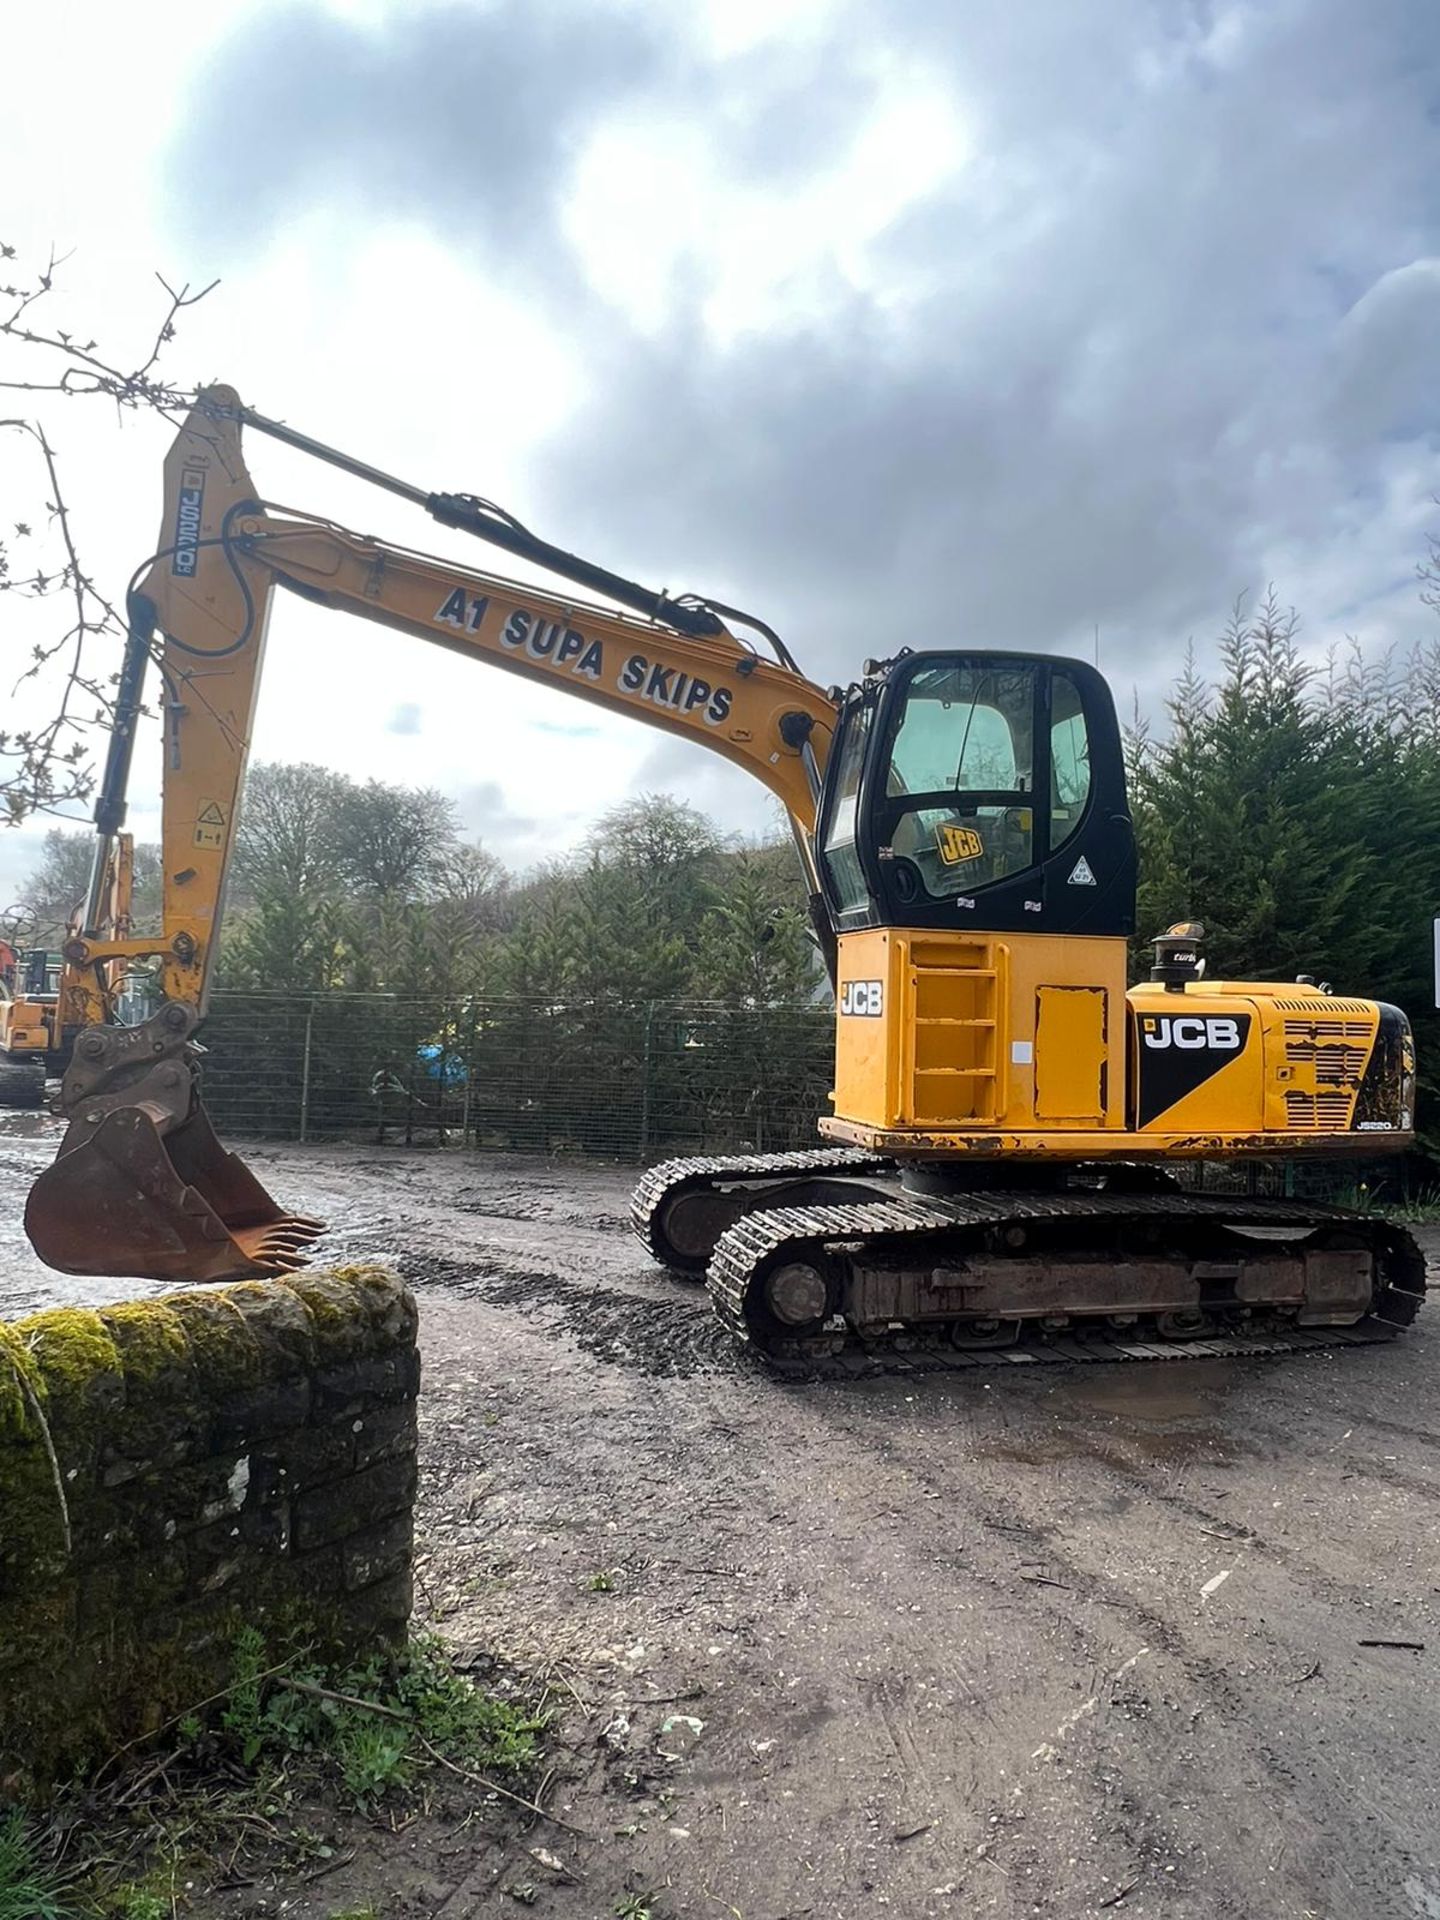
(1072,1055)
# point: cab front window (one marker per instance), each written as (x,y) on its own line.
(959,789)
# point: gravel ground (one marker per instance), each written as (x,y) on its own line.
(1060,1640)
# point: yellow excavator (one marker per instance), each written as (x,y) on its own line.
(41,1016)
(1008,1118)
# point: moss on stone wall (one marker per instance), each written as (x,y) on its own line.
(150,1339)
(79,1369)
(202,1441)
(17,1372)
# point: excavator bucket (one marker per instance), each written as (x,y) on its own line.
(142,1187)
(126,1199)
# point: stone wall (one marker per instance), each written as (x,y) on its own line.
(179,1467)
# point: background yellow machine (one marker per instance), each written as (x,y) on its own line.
(1004,1110)
(40,1015)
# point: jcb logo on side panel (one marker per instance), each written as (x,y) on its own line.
(865,997)
(1179,1052)
(1213,1032)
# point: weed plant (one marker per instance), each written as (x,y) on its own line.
(287,1735)
(376,1724)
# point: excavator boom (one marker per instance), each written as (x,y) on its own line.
(141,1186)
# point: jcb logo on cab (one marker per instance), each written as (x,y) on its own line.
(958,844)
(865,997)
(1190,1030)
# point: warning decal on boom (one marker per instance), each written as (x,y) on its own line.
(210,825)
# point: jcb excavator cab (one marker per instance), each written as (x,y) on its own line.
(979,791)
(979,863)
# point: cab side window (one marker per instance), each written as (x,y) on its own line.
(841,859)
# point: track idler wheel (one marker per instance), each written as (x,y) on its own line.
(791,1300)
(982,1334)
(797,1295)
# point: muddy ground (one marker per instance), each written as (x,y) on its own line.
(1057,1640)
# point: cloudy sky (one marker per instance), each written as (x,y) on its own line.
(901,322)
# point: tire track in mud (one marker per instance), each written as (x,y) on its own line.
(1014,1658)
(660,1337)
(1306,1794)
(1296,1560)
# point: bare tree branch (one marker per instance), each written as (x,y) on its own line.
(45,768)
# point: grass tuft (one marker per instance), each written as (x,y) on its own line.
(27,1890)
(377,1724)
(286,1734)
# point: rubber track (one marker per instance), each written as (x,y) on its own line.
(672,1177)
(754,1240)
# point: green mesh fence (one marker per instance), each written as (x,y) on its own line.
(628,1082)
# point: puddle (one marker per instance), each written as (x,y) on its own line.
(1168,1413)
(1152,1394)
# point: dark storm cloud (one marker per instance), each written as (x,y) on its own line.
(469,115)
(777,114)
(1150,350)
(1172,324)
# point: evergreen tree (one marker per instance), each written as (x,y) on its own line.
(285,943)
(754,947)
(766,1046)
(1242,812)
(1297,814)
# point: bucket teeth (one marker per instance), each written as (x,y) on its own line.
(274,1261)
(278,1247)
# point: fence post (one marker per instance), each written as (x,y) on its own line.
(469,1059)
(305,1071)
(646,1056)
